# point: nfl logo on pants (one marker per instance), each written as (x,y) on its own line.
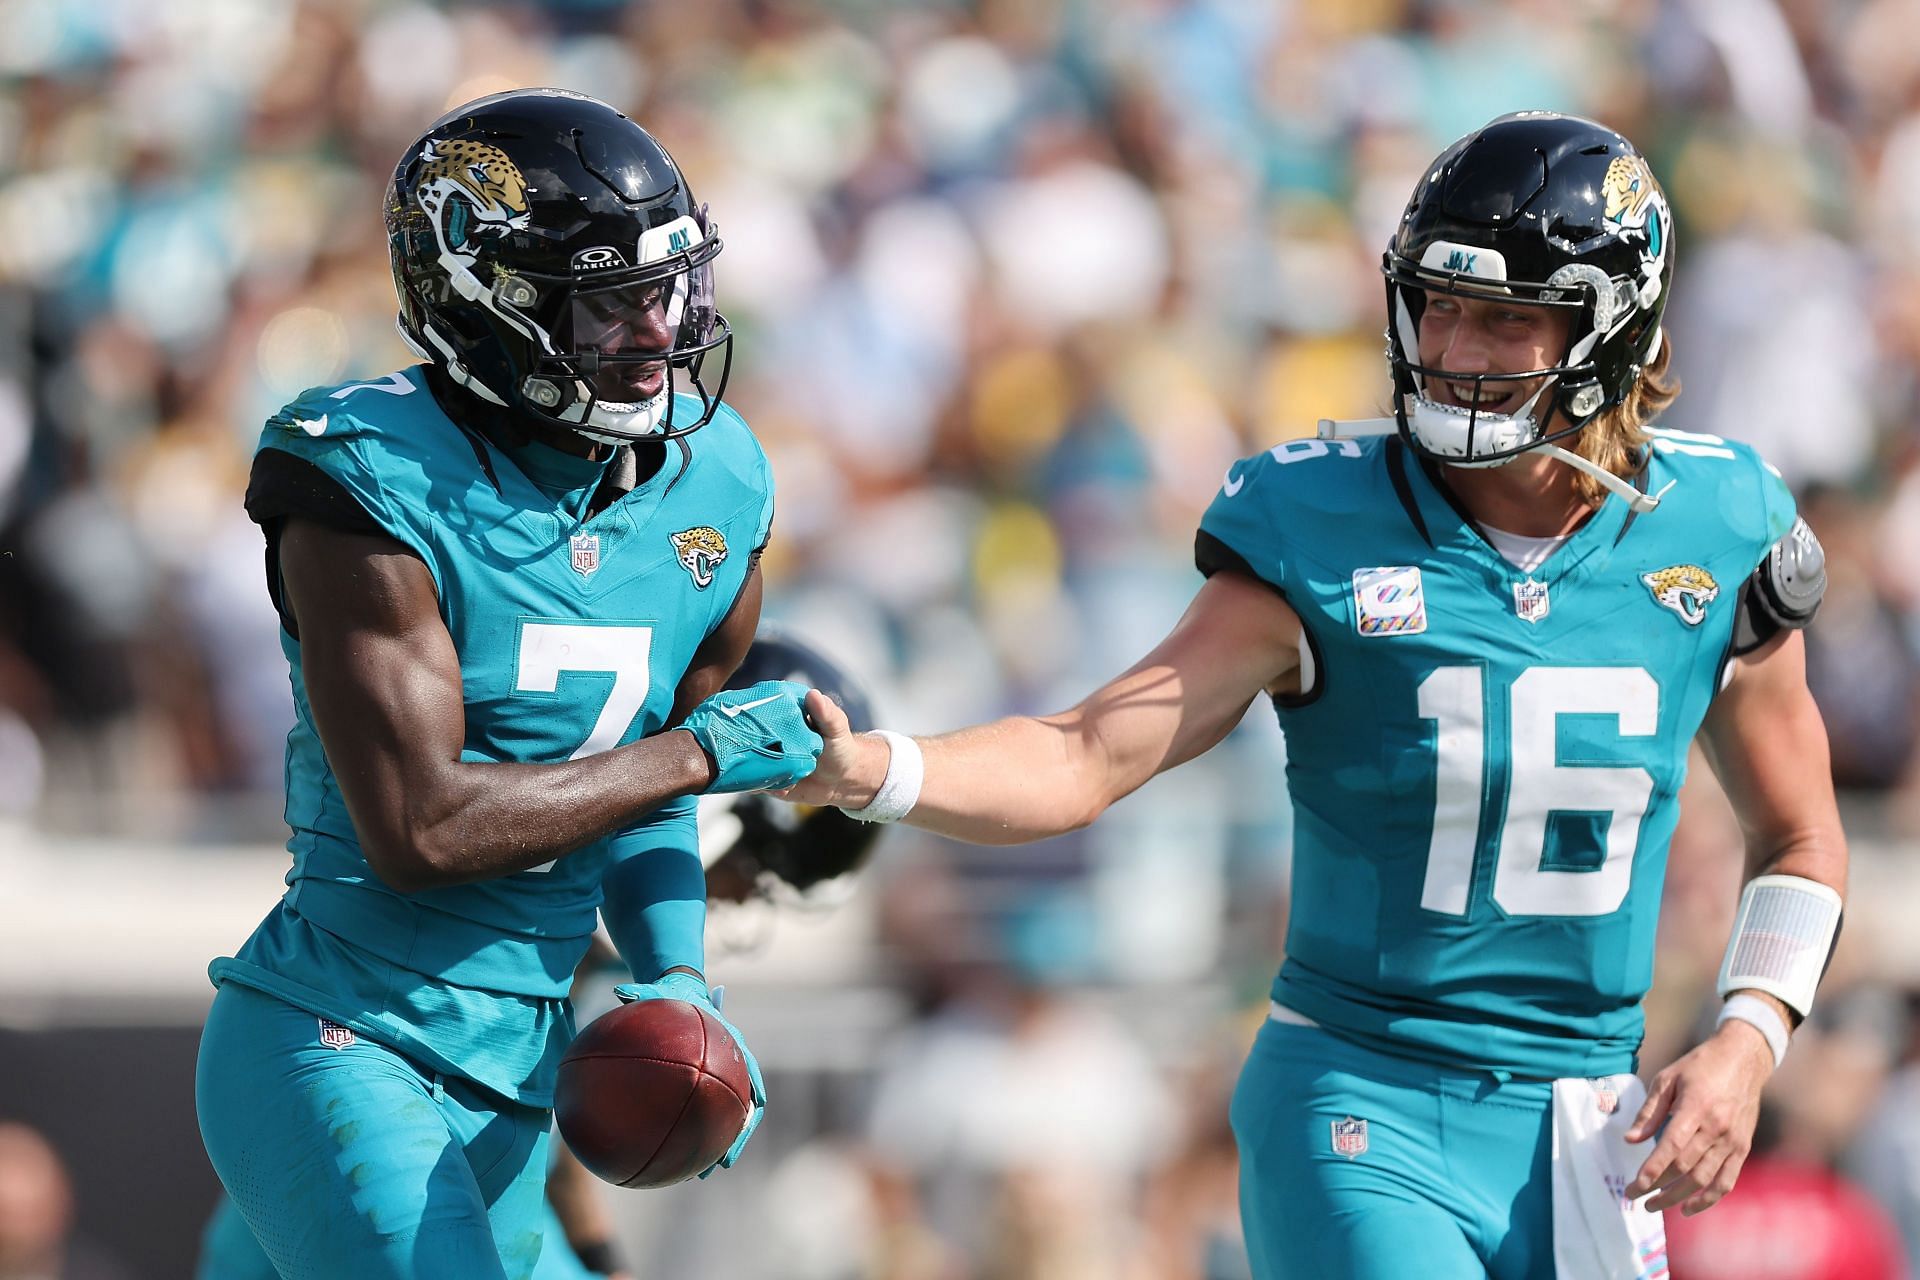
(1349,1137)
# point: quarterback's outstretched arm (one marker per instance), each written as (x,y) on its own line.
(383,680)
(1027,777)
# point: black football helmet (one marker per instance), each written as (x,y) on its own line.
(747,837)
(550,257)
(1548,210)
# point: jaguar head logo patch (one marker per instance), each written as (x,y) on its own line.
(702,549)
(471,191)
(1687,589)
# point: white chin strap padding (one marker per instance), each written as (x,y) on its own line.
(606,421)
(630,421)
(1458,433)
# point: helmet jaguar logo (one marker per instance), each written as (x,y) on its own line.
(702,549)
(1687,589)
(471,190)
(1634,201)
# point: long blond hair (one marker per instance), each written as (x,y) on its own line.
(1616,439)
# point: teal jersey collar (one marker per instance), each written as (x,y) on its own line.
(1447,525)
(568,479)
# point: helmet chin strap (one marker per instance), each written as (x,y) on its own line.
(1638,502)
(607,421)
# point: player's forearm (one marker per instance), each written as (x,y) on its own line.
(479,821)
(1818,854)
(1767,743)
(1008,782)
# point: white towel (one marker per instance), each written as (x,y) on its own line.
(1599,1234)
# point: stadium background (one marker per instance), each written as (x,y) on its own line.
(1014,281)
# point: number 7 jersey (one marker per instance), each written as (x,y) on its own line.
(573,635)
(1485,763)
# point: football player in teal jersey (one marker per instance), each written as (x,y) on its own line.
(1491,626)
(578,1234)
(513,580)
(750,848)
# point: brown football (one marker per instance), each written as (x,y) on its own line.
(652,1093)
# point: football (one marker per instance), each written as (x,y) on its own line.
(652,1093)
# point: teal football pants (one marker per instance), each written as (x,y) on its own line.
(228,1251)
(356,1162)
(1438,1173)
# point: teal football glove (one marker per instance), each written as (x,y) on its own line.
(684,986)
(758,737)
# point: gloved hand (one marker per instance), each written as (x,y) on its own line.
(758,737)
(685,986)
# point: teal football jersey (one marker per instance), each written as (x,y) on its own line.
(572,638)
(1484,764)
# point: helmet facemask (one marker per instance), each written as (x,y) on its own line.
(1569,393)
(604,350)
(629,340)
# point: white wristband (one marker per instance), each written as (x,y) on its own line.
(900,791)
(1782,936)
(1762,1016)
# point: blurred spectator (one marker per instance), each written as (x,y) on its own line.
(1886,1157)
(37,1237)
(1021,1121)
(1862,661)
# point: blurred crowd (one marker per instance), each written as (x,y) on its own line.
(1014,282)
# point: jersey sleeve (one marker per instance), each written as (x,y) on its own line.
(332,458)
(1777,502)
(282,484)
(654,892)
(1239,531)
(756,470)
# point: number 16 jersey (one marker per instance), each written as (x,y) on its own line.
(1485,763)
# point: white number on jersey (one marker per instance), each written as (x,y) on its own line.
(1300,450)
(549,648)
(1537,787)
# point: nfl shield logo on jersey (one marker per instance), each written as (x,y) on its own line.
(1389,600)
(1349,1137)
(335,1036)
(1606,1097)
(586,553)
(1530,600)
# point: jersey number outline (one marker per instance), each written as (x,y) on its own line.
(394,384)
(1290,451)
(1538,786)
(549,648)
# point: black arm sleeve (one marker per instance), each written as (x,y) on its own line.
(1211,556)
(283,485)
